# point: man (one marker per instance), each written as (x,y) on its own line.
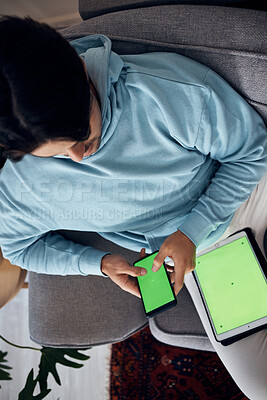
(152,151)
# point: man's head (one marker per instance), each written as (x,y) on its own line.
(44,89)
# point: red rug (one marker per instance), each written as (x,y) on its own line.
(143,368)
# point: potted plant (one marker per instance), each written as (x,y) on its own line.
(49,357)
(12,280)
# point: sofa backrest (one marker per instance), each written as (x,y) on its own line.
(93,8)
(231,41)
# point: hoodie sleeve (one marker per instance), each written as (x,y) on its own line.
(49,253)
(231,132)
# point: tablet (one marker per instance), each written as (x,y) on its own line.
(231,278)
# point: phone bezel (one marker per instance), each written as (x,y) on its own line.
(165,306)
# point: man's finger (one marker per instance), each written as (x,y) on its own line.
(143,253)
(172,276)
(136,271)
(169,268)
(158,261)
(131,287)
(179,280)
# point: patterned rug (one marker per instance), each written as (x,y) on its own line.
(143,368)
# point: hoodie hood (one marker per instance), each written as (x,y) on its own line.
(104,68)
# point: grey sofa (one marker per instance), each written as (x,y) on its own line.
(228,36)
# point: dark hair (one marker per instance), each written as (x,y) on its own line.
(44,91)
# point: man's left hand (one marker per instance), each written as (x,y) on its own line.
(182,251)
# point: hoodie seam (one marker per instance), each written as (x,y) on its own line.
(165,78)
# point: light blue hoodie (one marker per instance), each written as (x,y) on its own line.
(180,149)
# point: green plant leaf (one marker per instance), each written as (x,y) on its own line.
(51,356)
(4,375)
(27,391)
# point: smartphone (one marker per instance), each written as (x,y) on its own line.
(156,290)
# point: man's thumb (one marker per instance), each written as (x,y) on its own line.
(157,263)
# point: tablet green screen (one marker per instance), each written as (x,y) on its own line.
(233,285)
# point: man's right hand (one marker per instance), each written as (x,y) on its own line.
(123,273)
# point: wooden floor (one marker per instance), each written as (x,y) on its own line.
(58,13)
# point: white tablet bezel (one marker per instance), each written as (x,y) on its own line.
(243,329)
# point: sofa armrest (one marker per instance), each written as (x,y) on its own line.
(77,311)
(82,311)
(181,326)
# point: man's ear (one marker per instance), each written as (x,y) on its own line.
(92,87)
(84,66)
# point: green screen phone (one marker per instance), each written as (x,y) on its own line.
(155,287)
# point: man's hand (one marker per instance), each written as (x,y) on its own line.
(123,273)
(182,251)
